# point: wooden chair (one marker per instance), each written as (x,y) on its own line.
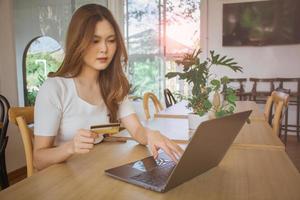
(293,101)
(4,107)
(240,91)
(169,98)
(260,96)
(286,113)
(22,117)
(157,104)
(279,101)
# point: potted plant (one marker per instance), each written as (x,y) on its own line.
(209,94)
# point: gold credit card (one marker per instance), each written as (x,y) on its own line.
(111,128)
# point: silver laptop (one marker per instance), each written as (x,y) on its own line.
(205,150)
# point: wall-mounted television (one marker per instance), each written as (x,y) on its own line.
(259,23)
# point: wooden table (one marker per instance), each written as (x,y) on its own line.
(256,134)
(181,111)
(242,174)
(253,168)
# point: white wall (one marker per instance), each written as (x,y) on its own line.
(8,83)
(260,62)
(265,61)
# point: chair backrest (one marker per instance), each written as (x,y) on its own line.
(294,85)
(240,92)
(169,98)
(4,107)
(261,96)
(278,100)
(22,117)
(157,104)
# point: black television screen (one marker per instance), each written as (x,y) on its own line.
(261,23)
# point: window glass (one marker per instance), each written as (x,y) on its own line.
(43,55)
(157,33)
(142,37)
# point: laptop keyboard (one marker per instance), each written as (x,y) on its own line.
(157,176)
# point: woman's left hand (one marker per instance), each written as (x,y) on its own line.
(158,141)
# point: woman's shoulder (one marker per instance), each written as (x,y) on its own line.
(57,83)
(57,80)
(55,90)
(55,86)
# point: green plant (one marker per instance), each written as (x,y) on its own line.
(198,75)
(132,92)
(33,91)
(36,73)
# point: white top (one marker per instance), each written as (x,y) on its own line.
(60,112)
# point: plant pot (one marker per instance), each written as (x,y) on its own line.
(195,120)
(217,100)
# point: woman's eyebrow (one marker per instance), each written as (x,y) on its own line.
(99,37)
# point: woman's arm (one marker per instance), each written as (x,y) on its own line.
(154,139)
(45,154)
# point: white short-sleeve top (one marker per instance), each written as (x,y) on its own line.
(60,112)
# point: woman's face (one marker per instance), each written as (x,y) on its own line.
(103,47)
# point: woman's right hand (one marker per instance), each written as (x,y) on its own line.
(83,141)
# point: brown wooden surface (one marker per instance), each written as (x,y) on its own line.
(1,125)
(26,112)
(263,172)
(243,174)
(22,117)
(293,150)
(180,110)
(17,175)
(256,134)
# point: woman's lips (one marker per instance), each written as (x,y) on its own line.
(102,60)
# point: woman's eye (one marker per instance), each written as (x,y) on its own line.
(95,41)
(111,41)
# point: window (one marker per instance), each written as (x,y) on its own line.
(157,33)
(42,55)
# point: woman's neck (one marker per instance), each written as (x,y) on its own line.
(88,77)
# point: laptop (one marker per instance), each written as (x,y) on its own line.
(205,150)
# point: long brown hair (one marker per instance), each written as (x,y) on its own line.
(113,83)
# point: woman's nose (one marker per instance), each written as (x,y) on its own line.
(103,47)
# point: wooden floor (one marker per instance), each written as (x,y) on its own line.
(292,149)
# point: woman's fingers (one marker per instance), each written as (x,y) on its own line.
(85,146)
(83,141)
(87,133)
(86,139)
(154,150)
(169,152)
(175,148)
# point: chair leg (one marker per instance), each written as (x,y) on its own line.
(280,130)
(3,173)
(286,125)
(298,112)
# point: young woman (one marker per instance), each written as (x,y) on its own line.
(89,88)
